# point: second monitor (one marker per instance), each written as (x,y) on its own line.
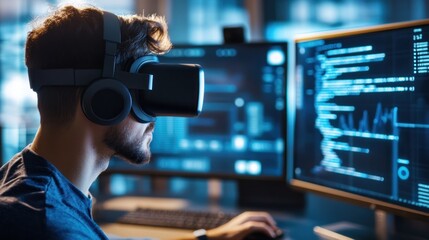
(362,129)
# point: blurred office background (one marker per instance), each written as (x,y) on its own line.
(190,21)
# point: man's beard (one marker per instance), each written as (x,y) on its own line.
(131,150)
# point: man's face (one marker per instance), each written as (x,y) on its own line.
(130,140)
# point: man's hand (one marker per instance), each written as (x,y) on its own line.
(243,225)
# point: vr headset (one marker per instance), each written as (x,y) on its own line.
(148,90)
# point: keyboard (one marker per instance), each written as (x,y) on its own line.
(176,218)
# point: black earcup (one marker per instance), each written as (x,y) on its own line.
(106,102)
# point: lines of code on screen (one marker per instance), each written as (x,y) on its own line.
(362,119)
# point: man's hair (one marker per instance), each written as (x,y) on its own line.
(72,37)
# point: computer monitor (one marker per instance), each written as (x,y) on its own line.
(240,134)
(361,119)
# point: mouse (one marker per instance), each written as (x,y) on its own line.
(263,236)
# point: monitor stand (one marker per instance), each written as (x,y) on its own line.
(269,194)
(387,227)
(384,224)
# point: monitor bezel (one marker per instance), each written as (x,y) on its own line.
(372,203)
(135,170)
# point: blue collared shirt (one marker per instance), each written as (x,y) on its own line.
(38,202)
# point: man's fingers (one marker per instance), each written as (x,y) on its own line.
(256,226)
(258,217)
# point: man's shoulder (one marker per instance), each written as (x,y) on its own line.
(23,186)
(21,174)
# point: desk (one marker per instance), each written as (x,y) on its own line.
(108,211)
(296,224)
(126,230)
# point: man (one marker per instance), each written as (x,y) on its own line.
(44,190)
